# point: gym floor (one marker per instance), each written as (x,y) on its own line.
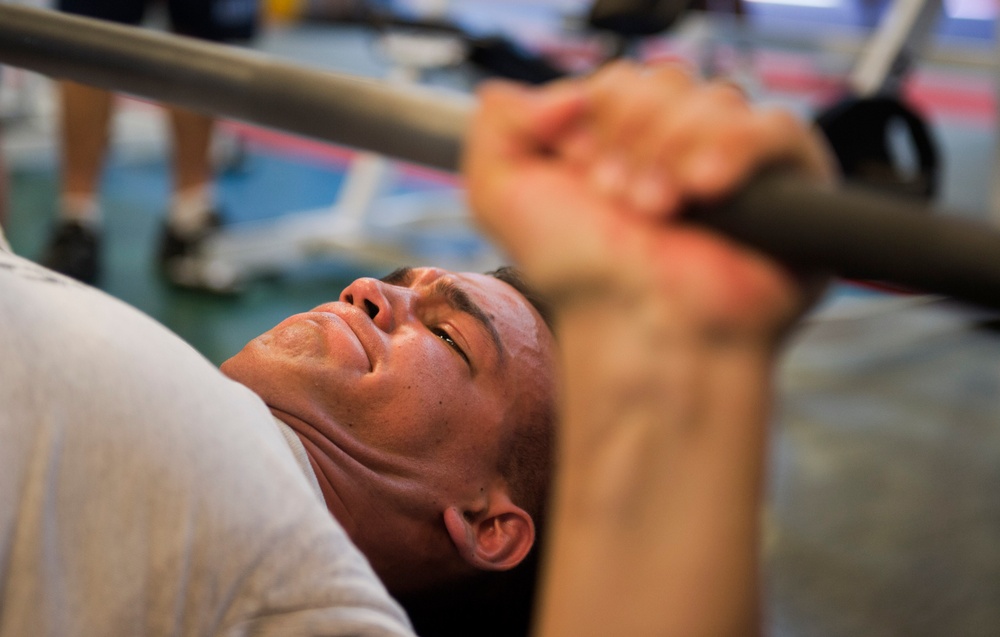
(883,513)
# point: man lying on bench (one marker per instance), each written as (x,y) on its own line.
(143,492)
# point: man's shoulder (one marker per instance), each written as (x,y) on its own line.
(164,470)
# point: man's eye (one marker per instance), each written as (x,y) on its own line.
(444,336)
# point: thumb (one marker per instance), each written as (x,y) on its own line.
(532,118)
(511,130)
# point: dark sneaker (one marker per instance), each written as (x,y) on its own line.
(74,250)
(182,260)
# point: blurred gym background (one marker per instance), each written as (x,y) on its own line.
(884,516)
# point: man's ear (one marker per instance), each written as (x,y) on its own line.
(496,538)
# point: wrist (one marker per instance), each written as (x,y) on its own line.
(604,303)
(661,455)
(644,355)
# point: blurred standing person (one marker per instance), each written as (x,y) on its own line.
(4,190)
(75,244)
(3,182)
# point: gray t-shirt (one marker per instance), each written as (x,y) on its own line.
(144,493)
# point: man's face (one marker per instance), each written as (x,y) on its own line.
(411,381)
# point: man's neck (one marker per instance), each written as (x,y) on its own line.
(314,445)
(393,519)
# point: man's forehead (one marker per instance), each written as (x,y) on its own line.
(493,291)
(529,342)
(521,318)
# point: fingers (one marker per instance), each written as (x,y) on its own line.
(728,156)
(655,139)
(566,179)
(627,103)
(521,193)
(528,119)
(514,125)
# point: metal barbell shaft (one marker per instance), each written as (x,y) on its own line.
(412,123)
(851,233)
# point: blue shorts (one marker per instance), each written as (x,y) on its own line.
(214,20)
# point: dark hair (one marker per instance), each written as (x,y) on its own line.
(501,604)
(487,604)
(526,460)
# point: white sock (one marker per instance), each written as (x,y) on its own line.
(81,208)
(190,208)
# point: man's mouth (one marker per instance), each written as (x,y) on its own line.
(358,323)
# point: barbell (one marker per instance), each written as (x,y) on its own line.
(850,233)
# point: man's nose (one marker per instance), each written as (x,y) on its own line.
(384,304)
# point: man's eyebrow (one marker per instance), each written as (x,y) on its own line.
(460,301)
(400,276)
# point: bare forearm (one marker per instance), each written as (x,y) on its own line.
(661,454)
(668,334)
